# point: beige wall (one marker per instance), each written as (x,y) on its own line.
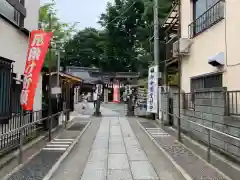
(211,42)
(232,75)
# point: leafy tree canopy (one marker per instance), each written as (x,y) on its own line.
(123,44)
(62,32)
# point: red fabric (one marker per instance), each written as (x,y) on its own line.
(37,50)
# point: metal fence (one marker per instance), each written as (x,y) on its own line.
(211,134)
(232,99)
(25,127)
(10,141)
(233,102)
(188,101)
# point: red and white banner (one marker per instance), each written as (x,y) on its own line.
(37,50)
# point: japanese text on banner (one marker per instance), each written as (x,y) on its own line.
(38,45)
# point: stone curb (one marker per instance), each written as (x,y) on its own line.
(178,167)
(209,164)
(65,154)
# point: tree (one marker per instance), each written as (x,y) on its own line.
(62,32)
(124,44)
(131,22)
(86,48)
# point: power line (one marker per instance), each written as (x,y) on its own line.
(126,10)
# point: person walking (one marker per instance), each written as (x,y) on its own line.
(94,98)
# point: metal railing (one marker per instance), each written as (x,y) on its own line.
(212,16)
(233,102)
(209,132)
(24,127)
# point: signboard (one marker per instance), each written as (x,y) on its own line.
(99,89)
(152,100)
(37,50)
(56,90)
(128,90)
(160,91)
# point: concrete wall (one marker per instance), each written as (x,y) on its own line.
(211,111)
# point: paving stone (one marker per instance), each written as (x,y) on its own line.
(131,142)
(98,155)
(94,175)
(116,140)
(116,132)
(119,174)
(96,165)
(117,148)
(38,167)
(193,165)
(100,144)
(142,170)
(136,155)
(118,161)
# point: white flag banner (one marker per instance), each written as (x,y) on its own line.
(152,100)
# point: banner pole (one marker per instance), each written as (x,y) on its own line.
(50,85)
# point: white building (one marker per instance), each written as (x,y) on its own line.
(17,19)
(212,28)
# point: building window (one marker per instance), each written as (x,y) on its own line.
(9,12)
(201,6)
(207,81)
(5,90)
(206,13)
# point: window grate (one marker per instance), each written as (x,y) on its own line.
(207,81)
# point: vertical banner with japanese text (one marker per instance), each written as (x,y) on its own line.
(152,100)
(37,50)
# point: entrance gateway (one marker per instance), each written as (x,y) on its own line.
(91,75)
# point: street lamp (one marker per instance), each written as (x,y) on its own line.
(98,90)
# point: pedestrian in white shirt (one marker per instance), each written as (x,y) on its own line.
(94,98)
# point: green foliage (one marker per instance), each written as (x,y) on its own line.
(62,32)
(124,44)
(85,48)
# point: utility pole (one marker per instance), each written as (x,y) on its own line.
(156,43)
(50,85)
(58,67)
(179,72)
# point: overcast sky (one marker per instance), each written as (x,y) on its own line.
(86,12)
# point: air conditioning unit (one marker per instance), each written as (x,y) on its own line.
(184,48)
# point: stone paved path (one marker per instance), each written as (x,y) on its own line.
(116,154)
